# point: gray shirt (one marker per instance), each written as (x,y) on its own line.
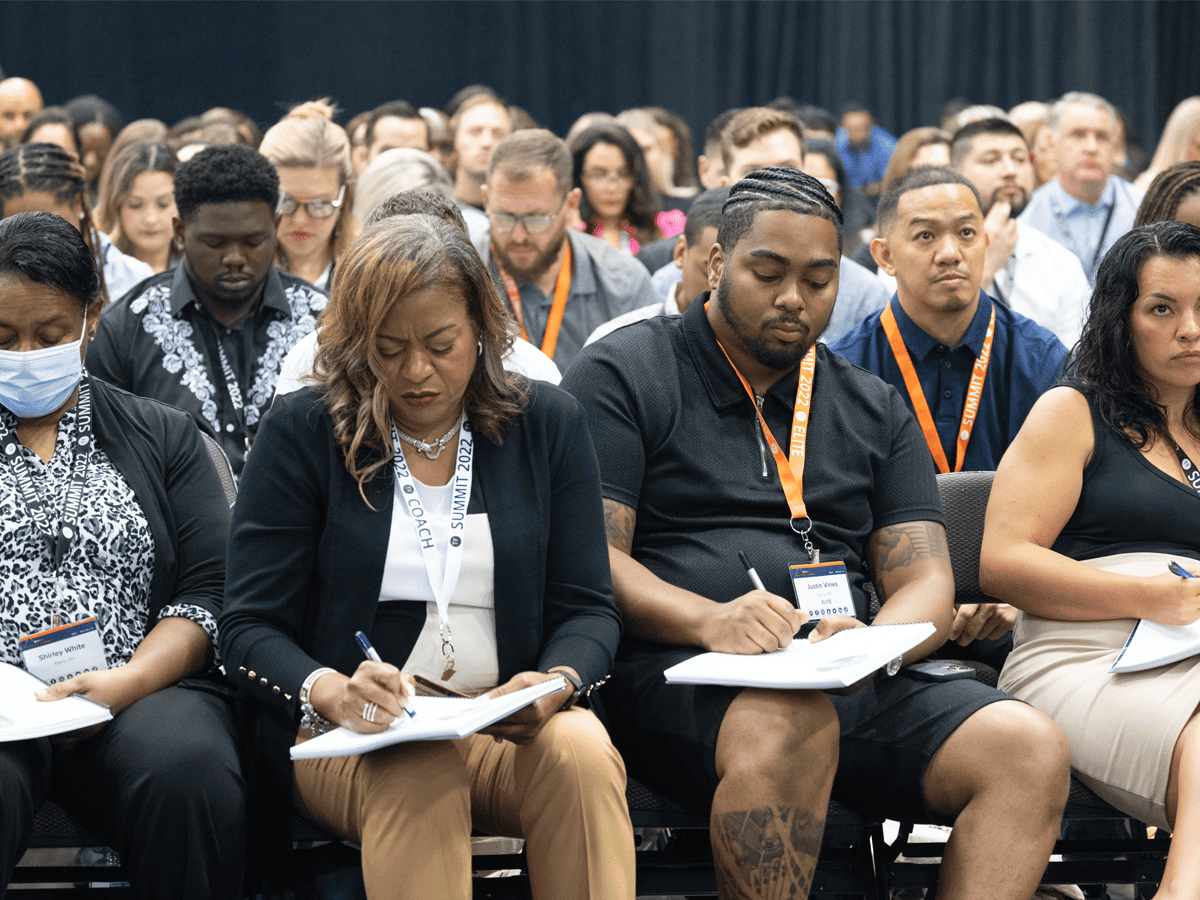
(605,283)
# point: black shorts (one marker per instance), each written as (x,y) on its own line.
(890,730)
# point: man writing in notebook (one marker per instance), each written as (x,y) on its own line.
(561,284)
(967,368)
(730,428)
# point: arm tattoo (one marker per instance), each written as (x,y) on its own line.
(771,857)
(619,521)
(897,546)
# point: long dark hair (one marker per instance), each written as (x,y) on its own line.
(1103,365)
(642,206)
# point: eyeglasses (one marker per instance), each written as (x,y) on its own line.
(602,176)
(316,209)
(503,223)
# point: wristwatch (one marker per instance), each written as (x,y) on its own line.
(894,666)
(582,691)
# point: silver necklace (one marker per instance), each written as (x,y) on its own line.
(429,449)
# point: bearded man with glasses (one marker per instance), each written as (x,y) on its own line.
(560,284)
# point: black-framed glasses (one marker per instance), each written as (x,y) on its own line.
(534,224)
(316,209)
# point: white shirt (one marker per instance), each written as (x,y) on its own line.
(472,610)
(523,358)
(1049,285)
(121,271)
(667,308)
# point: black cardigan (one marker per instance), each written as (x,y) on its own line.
(306,554)
(159,452)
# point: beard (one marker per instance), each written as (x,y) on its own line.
(1017,204)
(779,359)
(538,266)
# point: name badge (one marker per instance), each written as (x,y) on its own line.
(64,652)
(822,589)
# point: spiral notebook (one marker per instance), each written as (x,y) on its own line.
(23,716)
(435,719)
(836,662)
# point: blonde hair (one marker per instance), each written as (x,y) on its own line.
(387,262)
(307,137)
(1172,146)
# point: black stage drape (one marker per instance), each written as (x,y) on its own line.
(559,58)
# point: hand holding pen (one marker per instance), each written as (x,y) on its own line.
(367,702)
(755,622)
(1182,607)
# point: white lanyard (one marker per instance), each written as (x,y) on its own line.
(460,498)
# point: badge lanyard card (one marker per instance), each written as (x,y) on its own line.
(442,584)
(562,287)
(917,396)
(62,650)
(821,588)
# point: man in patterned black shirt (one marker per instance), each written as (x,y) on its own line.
(209,336)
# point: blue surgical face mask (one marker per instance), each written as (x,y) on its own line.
(35,383)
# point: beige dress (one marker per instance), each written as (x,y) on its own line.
(1122,728)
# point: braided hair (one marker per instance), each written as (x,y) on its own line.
(49,169)
(775,187)
(1170,188)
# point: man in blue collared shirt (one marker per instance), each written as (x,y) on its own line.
(932,241)
(1085,208)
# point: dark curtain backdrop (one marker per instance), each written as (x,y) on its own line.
(559,59)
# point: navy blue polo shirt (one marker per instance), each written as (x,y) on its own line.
(1026,361)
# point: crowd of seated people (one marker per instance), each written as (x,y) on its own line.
(468,376)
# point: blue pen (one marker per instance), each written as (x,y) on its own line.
(1177,569)
(369,651)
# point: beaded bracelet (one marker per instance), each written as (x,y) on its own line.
(310,719)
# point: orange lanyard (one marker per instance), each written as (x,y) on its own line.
(562,287)
(791,467)
(917,396)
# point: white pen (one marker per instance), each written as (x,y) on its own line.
(754,579)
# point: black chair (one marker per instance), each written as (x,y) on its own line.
(1136,859)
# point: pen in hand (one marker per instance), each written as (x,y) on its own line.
(369,651)
(1177,569)
(754,579)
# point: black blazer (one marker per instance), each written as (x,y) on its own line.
(159,452)
(306,554)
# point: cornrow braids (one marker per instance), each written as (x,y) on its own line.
(774,187)
(1169,189)
(49,169)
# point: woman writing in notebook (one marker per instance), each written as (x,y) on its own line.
(1092,501)
(114,524)
(451,511)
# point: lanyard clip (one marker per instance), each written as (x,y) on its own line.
(814,555)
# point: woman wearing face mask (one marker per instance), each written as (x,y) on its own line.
(114,523)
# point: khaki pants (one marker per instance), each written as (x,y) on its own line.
(411,808)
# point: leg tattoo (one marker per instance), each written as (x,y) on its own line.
(773,858)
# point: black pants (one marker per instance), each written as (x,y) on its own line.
(161,784)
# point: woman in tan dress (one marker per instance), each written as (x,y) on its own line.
(1090,504)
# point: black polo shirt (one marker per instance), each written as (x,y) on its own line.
(679,442)
(158,341)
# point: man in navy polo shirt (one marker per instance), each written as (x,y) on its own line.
(967,368)
(679,409)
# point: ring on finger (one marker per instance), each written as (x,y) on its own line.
(369,710)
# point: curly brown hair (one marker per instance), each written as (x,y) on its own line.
(388,261)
